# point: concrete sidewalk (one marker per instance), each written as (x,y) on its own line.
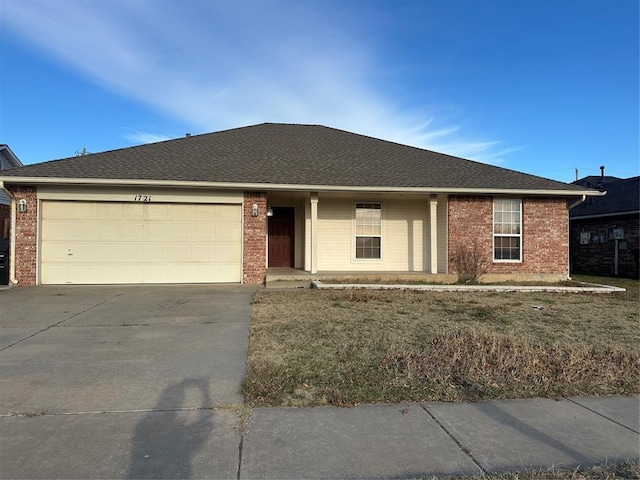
(368,441)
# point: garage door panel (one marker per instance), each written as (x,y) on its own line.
(55,274)
(130,252)
(105,274)
(81,273)
(158,253)
(80,252)
(107,230)
(105,252)
(228,271)
(225,214)
(227,253)
(56,231)
(115,242)
(55,252)
(130,273)
(108,210)
(157,232)
(130,231)
(179,212)
(227,232)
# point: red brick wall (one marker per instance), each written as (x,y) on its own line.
(545,240)
(597,257)
(26,235)
(254,249)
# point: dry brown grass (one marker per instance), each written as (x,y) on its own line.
(624,471)
(361,346)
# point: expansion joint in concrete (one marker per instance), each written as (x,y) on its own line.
(465,450)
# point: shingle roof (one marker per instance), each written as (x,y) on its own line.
(289,154)
(623,196)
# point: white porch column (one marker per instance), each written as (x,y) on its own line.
(307,236)
(311,234)
(433,229)
(314,232)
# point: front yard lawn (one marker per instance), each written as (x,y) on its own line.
(348,347)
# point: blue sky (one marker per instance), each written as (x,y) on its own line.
(540,86)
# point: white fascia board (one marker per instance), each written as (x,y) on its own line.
(293,187)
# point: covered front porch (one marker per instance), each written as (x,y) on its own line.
(375,235)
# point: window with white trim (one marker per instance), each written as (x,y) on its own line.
(368,230)
(507,229)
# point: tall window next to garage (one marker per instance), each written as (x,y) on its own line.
(507,229)
(368,230)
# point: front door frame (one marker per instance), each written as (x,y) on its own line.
(292,235)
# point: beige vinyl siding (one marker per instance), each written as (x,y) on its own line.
(404,230)
(118,242)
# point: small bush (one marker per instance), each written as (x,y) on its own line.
(469,262)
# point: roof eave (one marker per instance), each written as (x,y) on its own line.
(293,187)
(10,156)
(603,215)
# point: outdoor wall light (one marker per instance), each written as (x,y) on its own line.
(269,212)
(254,210)
(22,206)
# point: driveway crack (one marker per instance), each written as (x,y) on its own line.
(61,321)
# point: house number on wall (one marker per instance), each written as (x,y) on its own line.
(142,198)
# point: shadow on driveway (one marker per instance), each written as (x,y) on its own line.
(165,442)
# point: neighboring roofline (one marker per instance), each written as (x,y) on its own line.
(602,215)
(292,187)
(13,158)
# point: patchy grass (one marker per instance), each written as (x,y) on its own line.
(628,470)
(365,346)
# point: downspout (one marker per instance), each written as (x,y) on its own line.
(578,202)
(12,251)
(573,205)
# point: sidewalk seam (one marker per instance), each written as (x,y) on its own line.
(601,415)
(466,451)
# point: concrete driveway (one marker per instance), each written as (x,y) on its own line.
(130,370)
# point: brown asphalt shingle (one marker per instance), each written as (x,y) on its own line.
(272,153)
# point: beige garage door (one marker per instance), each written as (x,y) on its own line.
(111,242)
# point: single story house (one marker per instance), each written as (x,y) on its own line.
(605,231)
(228,206)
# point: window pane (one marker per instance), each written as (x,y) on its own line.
(368,230)
(368,247)
(507,229)
(507,248)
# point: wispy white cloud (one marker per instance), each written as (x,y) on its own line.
(217,65)
(145,137)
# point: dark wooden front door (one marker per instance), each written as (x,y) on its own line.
(281,237)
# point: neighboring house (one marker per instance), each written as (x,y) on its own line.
(605,237)
(8,160)
(226,206)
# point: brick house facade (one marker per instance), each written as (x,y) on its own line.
(595,252)
(354,203)
(545,230)
(605,237)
